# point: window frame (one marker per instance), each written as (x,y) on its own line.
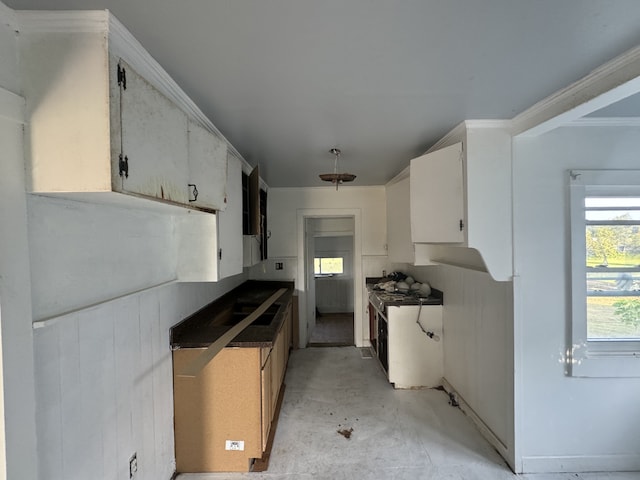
(595,358)
(330,255)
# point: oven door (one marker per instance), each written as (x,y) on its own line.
(383,343)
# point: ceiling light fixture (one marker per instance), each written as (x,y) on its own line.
(336,177)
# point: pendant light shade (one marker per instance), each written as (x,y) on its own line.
(336,177)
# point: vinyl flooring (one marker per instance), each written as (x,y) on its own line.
(332,330)
(393,434)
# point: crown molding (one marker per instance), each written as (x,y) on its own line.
(613,81)
(605,122)
(456,134)
(495,124)
(399,177)
(72,21)
(124,45)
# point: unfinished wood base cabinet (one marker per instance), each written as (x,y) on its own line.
(223,417)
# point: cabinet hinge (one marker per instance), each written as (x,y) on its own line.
(461,224)
(122,77)
(220,254)
(123,165)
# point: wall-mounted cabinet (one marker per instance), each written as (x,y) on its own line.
(208,169)
(254,213)
(400,248)
(460,195)
(437,197)
(210,247)
(97,128)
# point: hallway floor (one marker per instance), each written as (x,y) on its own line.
(332,330)
(394,434)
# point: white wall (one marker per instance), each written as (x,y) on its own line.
(370,205)
(83,254)
(17,405)
(104,384)
(565,423)
(335,294)
(478,346)
(285,202)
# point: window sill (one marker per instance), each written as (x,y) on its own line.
(590,363)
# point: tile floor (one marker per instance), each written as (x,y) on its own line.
(397,434)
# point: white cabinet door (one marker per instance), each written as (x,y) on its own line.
(154,142)
(437,196)
(207,168)
(399,245)
(415,360)
(197,243)
(230,222)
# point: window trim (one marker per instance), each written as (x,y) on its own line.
(595,358)
(329,255)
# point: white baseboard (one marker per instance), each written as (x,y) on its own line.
(581,463)
(504,451)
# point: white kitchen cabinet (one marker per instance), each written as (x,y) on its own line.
(251,250)
(399,244)
(437,214)
(104,119)
(414,359)
(207,169)
(210,246)
(154,139)
(460,196)
(230,222)
(400,248)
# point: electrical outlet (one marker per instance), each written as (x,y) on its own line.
(133,465)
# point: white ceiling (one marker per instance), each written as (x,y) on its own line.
(286,80)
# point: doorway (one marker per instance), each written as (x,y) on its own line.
(333,279)
(330,244)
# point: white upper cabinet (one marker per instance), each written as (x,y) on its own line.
(460,196)
(437,197)
(155,144)
(208,169)
(230,222)
(104,119)
(210,246)
(400,248)
(399,245)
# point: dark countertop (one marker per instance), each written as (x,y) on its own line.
(398,299)
(207,324)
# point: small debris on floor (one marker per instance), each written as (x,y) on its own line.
(452,400)
(346,433)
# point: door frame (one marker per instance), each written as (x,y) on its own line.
(304,265)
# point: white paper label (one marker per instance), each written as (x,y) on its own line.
(234,445)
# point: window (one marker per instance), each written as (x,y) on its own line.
(605,256)
(328,265)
